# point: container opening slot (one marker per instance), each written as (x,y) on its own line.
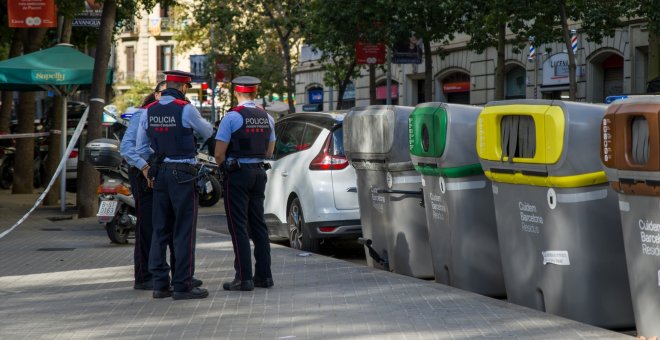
(640,140)
(518,137)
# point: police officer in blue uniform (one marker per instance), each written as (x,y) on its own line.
(167,128)
(143,198)
(245,137)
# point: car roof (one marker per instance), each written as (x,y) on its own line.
(326,120)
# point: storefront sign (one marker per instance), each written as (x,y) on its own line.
(381,91)
(555,70)
(315,95)
(369,53)
(456,87)
(31,13)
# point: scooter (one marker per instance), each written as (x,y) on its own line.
(116,204)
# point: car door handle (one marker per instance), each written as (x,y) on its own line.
(351,189)
(284,174)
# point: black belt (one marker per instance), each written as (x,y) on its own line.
(259,165)
(187,168)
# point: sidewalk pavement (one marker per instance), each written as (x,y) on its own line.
(62,279)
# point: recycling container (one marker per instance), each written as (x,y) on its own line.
(630,152)
(558,220)
(458,198)
(389,188)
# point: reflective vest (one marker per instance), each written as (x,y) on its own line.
(251,139)
(166,132)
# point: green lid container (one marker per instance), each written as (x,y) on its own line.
(442,139)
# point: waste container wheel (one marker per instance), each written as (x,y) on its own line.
(299,236)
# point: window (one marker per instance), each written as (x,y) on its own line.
(165,60)
(130,62)
(311,133)
(289,138)
(164,9)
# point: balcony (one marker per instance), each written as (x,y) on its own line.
(130,28)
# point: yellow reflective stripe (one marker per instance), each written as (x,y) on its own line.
(574,181)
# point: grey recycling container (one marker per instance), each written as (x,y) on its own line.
(630,152)
(389,189)
(458,198)
(558,220)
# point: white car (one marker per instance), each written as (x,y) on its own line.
(311,190)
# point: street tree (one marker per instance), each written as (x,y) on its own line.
(432,21)
(285,18)
(553,20)
(649,10)
(232,35)
(333,33)
(487,22)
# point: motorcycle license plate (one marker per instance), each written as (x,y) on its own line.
(107,209)
(209,187)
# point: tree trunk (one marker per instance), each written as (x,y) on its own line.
(290,90)
(428,71)
(572,79)
(499,69)
(55,141)
(24,160)
(372,84)
(89,177)
(8,96)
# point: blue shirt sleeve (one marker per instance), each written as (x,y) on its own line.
(127,148)
(271,121)
(230,123)
(142,140)
(192,119)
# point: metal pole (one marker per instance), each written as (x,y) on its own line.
(63,153)
(389,77)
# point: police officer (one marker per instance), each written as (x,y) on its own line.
(167,127)
(245,137)
(143,198)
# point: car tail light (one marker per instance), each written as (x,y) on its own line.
(326,161)
(327,229)
(73,154)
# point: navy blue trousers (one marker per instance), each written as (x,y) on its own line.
(143,196)
(174,218)
(244,207)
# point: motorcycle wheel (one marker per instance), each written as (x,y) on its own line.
(211,198)
(116,232)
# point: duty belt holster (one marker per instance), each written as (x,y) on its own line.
(231,166)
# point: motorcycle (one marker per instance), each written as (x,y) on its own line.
(116,201)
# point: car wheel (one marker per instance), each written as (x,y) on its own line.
(299,237)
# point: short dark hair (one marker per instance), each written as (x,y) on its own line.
(175,85)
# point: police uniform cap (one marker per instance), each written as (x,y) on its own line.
(177,76)
(246,84)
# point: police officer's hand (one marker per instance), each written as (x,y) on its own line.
(145,173)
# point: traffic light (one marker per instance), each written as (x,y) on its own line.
(205,96)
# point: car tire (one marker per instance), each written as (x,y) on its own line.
(299,237)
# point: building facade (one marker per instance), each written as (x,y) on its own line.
(616,66)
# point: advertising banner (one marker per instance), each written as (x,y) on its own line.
(369,53)
(408,51)
(90,16)
(31,13)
